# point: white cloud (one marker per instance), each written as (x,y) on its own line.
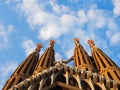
(29,46)
(58,9)
(9,1)
(115,39)
(82,17)
(113,33)
(68,21)
(112,25)
(97,18)
(116,9)
(50,25)
(4,34)
(10,28)
(69,53)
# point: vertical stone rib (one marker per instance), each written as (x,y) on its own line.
(105,61)
(96,62)
(81,57)
(107,67)
(51,58)
(99,62)
(108,59)
(76,57)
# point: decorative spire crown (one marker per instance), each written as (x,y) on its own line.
(52,42)
(91,43)
(38,47)
(76,40)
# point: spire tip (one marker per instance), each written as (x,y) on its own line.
(52,42)
(91,43)
(76,40)
(38,46)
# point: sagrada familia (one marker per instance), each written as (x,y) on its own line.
(95,72)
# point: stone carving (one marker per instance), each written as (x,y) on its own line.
(62,62)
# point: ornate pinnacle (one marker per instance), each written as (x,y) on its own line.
(76,41)
(91,43)
(38,46)
(52,42)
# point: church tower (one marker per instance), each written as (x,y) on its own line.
(24,70)
(47,59)
(105,65)
(81,58)
(42,74)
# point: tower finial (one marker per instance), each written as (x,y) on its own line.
(76,40)
(38,47)
(52,43)
(91,43)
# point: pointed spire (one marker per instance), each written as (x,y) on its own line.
(52,42)
(47,59)
(25,69)
(104,64)
(81,58)
(91,42)
(38,47)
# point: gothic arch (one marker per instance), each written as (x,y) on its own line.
(60,78)
(36,86)
(73,82)
(47,82)
(85,85)
(97,87)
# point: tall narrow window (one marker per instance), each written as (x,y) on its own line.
(117,75)
(109,75)
(20,80)
(101,60)
(11,83)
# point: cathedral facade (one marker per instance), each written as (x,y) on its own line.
(95,72)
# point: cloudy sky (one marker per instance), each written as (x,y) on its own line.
(24,23)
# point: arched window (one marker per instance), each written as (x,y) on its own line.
(97,87)
(60,78)
(85,85)
(109,75)
(35,87)
(73,82)
(101,60)
(117,75)
(47,82)
(11,83)
(20,80)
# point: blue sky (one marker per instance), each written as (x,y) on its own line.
(24,23)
